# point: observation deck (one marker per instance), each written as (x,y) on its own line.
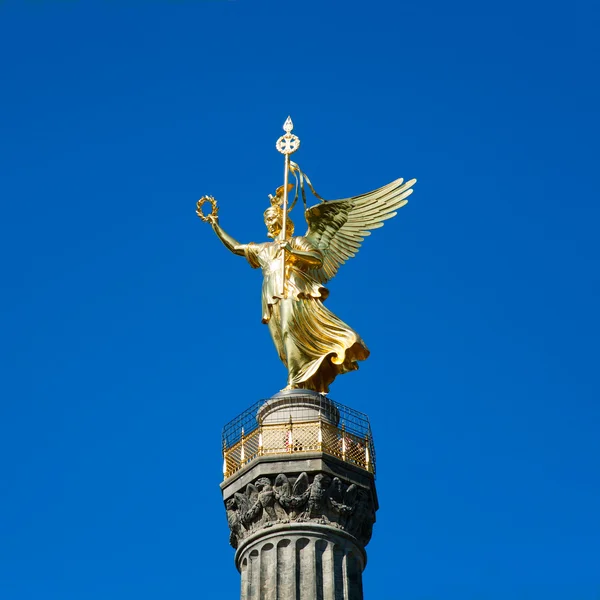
(301,422)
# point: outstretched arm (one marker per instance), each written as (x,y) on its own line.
(229,242)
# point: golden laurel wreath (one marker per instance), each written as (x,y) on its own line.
(213,213)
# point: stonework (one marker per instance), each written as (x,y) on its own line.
(318,499)
(300,526)
(301,565)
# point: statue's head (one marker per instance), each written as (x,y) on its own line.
(273,219)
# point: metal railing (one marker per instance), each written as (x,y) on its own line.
(245,439)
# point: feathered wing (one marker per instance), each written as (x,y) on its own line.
(338,227)
(282,487)
(242,503)
(251,494)
(300,485)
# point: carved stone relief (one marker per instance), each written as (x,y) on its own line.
(326,500)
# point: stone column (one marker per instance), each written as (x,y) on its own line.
(301,564)
(300,526)
(300,498)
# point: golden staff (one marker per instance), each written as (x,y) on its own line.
(287,144)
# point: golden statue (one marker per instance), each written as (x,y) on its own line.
(312,342)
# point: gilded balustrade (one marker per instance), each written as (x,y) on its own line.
(295,438)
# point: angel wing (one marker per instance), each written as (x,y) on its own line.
(350,496)
(338,227)
(282,486)
(251,494)
(242,503)
(300,485)
(335,489)
(254,506)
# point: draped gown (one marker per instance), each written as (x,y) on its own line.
(312,342)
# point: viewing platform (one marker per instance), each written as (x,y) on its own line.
(298,422)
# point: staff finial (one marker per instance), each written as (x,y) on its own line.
(287,144)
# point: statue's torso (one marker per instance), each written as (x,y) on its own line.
(299,283)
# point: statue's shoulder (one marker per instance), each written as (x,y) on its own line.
(305,244)
(301,242)
(260,246)
(258,253)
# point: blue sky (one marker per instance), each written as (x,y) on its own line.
(130,335)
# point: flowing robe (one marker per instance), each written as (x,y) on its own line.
(312,342)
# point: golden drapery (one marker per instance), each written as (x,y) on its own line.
(312,342)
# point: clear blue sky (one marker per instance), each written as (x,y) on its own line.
(130,335)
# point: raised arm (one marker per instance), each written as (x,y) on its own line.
(229,242)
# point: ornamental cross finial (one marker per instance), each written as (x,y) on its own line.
(288,143)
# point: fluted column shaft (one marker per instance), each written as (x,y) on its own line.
(301,565)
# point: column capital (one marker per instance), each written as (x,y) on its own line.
(327,497)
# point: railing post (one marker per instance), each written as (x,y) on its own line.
(343,442)
(290,435)
(320,434)
(367,453)
(242,452)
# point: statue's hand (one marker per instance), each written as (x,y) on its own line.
(285,245)
(213,219)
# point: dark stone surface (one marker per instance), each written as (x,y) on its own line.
(311,563)
(322,490)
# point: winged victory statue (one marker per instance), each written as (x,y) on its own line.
(312,342)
